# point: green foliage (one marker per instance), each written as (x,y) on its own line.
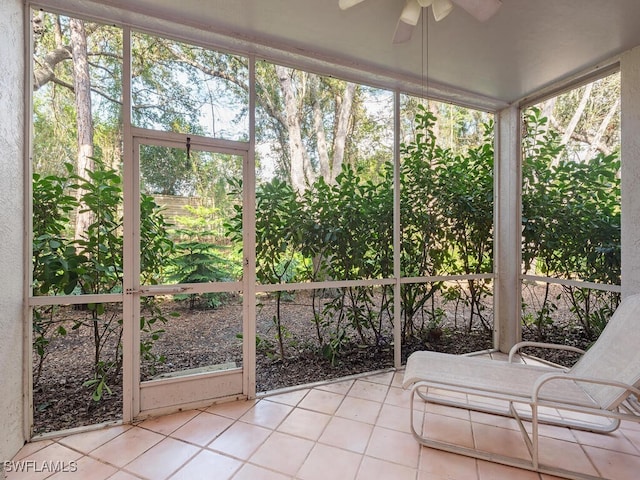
(199,256)
(446,206)
(421,252)
(279,217)
(591,308)
(344,231)
(55,130)
(464,191)
(166,170)
(331,349)
(571,218)
(92,264)
(54,259)
(101,245)
(98,384)
(155,243)
(174,85)
(202,222)
(350,225)
(278,220)
(198,262)
(571,210)
(152,319)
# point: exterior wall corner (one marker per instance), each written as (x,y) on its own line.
(12,231)
(630,171)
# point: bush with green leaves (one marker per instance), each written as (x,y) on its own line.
(199,262)
(349,233)
(344,231)
(571,223)
(92,264)
(200,255)
(446,211)
(279,237)
(54,258)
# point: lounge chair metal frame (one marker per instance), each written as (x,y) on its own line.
(612,396)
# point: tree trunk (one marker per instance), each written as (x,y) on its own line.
(344,108)
(292,122)
(578,113)
(596,142)
(321,137)
(547,110)
(84,122)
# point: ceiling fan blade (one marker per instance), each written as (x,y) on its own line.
(408,19)
(482,10)
(403,32)
(441,8)
(411,12)
(344,4)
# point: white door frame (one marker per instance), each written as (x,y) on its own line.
(154,397)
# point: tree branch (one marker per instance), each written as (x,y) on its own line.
(46,73)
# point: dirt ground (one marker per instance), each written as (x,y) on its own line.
(201,337)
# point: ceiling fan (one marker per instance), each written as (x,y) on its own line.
(482,10)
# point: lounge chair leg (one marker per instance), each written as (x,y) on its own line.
(411,415)
(534,435)
(531,442)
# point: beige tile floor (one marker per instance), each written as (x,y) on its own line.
(354,429)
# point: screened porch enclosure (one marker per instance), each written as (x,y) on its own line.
(278,192)
(261,217)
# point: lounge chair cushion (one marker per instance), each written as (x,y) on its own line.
(513,381)
(615,356)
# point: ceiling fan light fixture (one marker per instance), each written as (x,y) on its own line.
(441,8)
(482,10)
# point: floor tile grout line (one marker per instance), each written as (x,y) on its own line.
(248,462)
(133,459)
(236,421)
(42,447)
(171,435)
(475,445)
(168,434)
(318,442)
(637,448)
(200,450)
(591,461)
(95,458)
(374,426)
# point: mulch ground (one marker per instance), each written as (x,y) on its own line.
(200,337)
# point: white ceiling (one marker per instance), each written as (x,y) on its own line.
(527,46)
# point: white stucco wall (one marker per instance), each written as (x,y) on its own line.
(630,121)
(11,227)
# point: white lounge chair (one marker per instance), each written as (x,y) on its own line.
(602,386)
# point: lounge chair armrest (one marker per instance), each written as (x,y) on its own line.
(564,376)
(554,346)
